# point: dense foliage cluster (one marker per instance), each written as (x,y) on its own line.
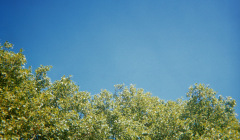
(31,107)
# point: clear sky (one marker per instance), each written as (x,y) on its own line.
(158,45)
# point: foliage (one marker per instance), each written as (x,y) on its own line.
(31,107)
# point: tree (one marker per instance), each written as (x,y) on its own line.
(31,107)
(208,116)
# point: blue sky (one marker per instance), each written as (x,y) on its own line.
(160,46)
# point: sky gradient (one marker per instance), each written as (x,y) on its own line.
(160,46)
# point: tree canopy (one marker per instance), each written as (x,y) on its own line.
(31,107)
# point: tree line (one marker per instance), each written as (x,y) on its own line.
(31,107)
